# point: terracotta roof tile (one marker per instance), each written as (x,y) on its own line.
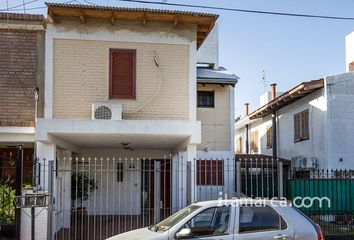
(149,10)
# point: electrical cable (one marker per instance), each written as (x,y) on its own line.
(157,90)
(206,7)
(242,10)
(20,5)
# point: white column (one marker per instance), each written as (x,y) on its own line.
(45,152)
(191,156)
(192,82)
(48,91)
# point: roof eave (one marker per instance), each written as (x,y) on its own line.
(204,21)
(294,94)
(231,82)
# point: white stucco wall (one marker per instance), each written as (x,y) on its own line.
(331,118)
(349,50)
(209,51)
(340,91)
(313,148)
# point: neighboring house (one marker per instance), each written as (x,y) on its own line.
(349,52)
(313,123)
(215,111)
(21,70)
(123,84)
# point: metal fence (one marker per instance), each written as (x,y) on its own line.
(96,198)
(261,176)
(326,196)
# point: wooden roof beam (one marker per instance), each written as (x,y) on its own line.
(175,23)
(50,16)
(82,17)
(203,28)
(112,18)
(144,20)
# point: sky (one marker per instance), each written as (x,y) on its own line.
(290,50)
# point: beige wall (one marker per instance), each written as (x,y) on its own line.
(216,127)
(81,76)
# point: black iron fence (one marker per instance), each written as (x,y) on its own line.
(326,196)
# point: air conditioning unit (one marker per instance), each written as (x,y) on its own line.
(106,111)
(304,162)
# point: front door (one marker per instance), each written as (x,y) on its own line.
(156,188)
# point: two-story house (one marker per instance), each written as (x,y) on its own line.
(128,107)
(21,71)
(312,123)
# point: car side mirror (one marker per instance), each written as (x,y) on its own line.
(183,233)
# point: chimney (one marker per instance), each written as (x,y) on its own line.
(274,90)
(246,109)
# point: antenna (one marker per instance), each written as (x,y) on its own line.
(264,80)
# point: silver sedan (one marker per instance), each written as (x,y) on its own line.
(239,219)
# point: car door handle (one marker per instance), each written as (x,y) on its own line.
(280,236)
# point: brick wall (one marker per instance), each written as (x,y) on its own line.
(18,76)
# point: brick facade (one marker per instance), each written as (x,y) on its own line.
(81,78)
(21,54)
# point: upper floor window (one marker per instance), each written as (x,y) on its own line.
(122,73)
(269,137)
(205,99)
(301,126)
(239,145)
(254,142)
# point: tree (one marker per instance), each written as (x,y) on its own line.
(81,187)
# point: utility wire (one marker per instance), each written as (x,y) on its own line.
(204,7)
(20,5)
(242,10)
(16,8)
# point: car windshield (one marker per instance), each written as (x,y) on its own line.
(173,219)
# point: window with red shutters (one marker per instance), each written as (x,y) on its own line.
(122,73)
(210,172)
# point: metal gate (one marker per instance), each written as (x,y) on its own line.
(96,198)
(261,176)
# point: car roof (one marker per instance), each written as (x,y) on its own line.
(212,203)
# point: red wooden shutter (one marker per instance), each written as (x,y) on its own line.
(122,73)
(210,172)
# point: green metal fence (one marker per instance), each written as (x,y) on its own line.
(326,196)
